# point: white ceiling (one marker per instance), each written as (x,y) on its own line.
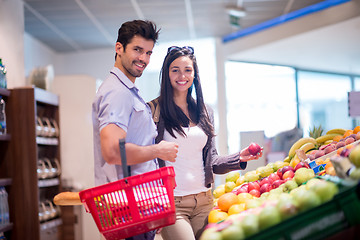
(80,25)
(71,25)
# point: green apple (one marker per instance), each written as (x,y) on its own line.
(306,199)
(354,156)
(250,224)
(233,232)
(269,216)
(325,190)
(303,174)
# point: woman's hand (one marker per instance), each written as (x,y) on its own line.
(245,155)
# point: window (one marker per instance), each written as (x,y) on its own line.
(323,100)
(259,97)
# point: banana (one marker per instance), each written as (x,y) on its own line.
(326,137)
(328,142)
(340,131)
(287,159)
(299,143)
(307,147)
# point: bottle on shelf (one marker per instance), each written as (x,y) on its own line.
(4,207)
(2,117)
(3,81)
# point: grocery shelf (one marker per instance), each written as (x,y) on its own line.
(47,141)
(49,182)
(324,221)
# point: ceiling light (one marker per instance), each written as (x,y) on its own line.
(236,11)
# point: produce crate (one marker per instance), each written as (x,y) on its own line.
(330,218)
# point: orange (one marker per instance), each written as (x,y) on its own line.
(236,208)
(294,162)
(226,200)
(319,161)
(216,215)
(356,129)
(337,138)
(347,133)
(326,161)
(331,171)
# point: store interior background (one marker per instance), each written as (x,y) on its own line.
(256,98)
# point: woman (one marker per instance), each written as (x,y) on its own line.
(189,123)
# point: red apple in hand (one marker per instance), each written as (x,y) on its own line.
(254,148)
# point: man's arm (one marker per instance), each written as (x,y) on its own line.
(109,138)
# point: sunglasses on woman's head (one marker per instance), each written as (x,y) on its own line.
(190,49)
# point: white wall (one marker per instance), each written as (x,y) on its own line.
(36,54)
(11,40)
(76,93)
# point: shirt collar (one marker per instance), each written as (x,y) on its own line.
(123,78)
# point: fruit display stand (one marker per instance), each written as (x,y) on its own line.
(337,215)
(290,200)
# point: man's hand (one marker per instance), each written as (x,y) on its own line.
(167,151)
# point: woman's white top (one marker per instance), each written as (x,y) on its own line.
(189,167)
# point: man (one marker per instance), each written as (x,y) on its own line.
(120,112)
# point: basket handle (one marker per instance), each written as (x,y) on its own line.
(126,169)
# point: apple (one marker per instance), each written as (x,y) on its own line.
(277,183)
(279,172)
(319,153)
(288,174)
(329,149)
(265,180)
(265,188)
(339,145)
(287,179)
(345,152)
(322,147)
(300,165)
(254,148)
(253,185)
(241,190)
(273,177)
(245,187)
(255,193)
(287,168)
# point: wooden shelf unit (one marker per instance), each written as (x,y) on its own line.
(21,162)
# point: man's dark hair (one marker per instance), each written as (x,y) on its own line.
(146,29)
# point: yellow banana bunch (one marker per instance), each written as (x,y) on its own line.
(326,137)
(339,131)
(299,143)
(308,146)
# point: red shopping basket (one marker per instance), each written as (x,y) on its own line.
(132,205)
